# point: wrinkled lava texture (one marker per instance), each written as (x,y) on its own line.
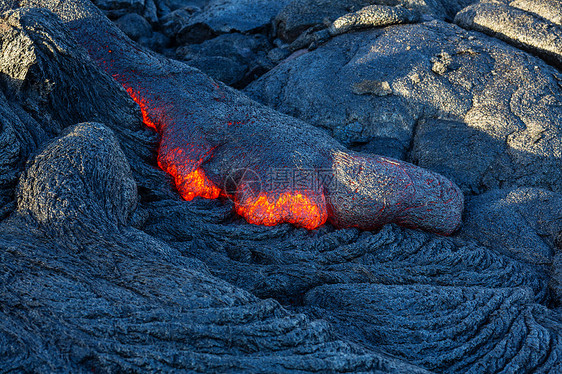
(105,268)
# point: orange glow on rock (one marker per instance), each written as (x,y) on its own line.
(190,184)
(297,208)
(143,104)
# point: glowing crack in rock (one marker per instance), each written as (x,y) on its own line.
(143,107)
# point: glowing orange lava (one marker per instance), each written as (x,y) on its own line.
(298,208)
(292,207)
(190,184)
(143,104)
(194,184)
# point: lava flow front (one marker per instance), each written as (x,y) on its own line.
(298,208)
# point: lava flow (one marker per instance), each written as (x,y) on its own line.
(143,104)
(189,184)
(297,208)
(193,184)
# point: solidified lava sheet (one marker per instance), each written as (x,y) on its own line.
(280,186)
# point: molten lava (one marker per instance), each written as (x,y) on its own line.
(297,208)
(143,104)
(398,192)
(192,184)
(189,184)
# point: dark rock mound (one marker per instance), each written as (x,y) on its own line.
(523,223)
(468,106)
(134,26)
(77,185)
(119,8)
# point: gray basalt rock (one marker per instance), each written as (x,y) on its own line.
(174,26)
(300,15)
(103,268)
(524,29)
(372,16)
(241,15)
(481,112)
(548,9)
(76,185)
(368,17)
(167,6)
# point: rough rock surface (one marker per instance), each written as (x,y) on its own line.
(104,268)
(300,15)
(521,28)
(478,111)
(548,9)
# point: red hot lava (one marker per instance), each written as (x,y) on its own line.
(299,208)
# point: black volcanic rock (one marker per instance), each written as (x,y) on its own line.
(522,28)
(479,111)
(49,83)
(103,268)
